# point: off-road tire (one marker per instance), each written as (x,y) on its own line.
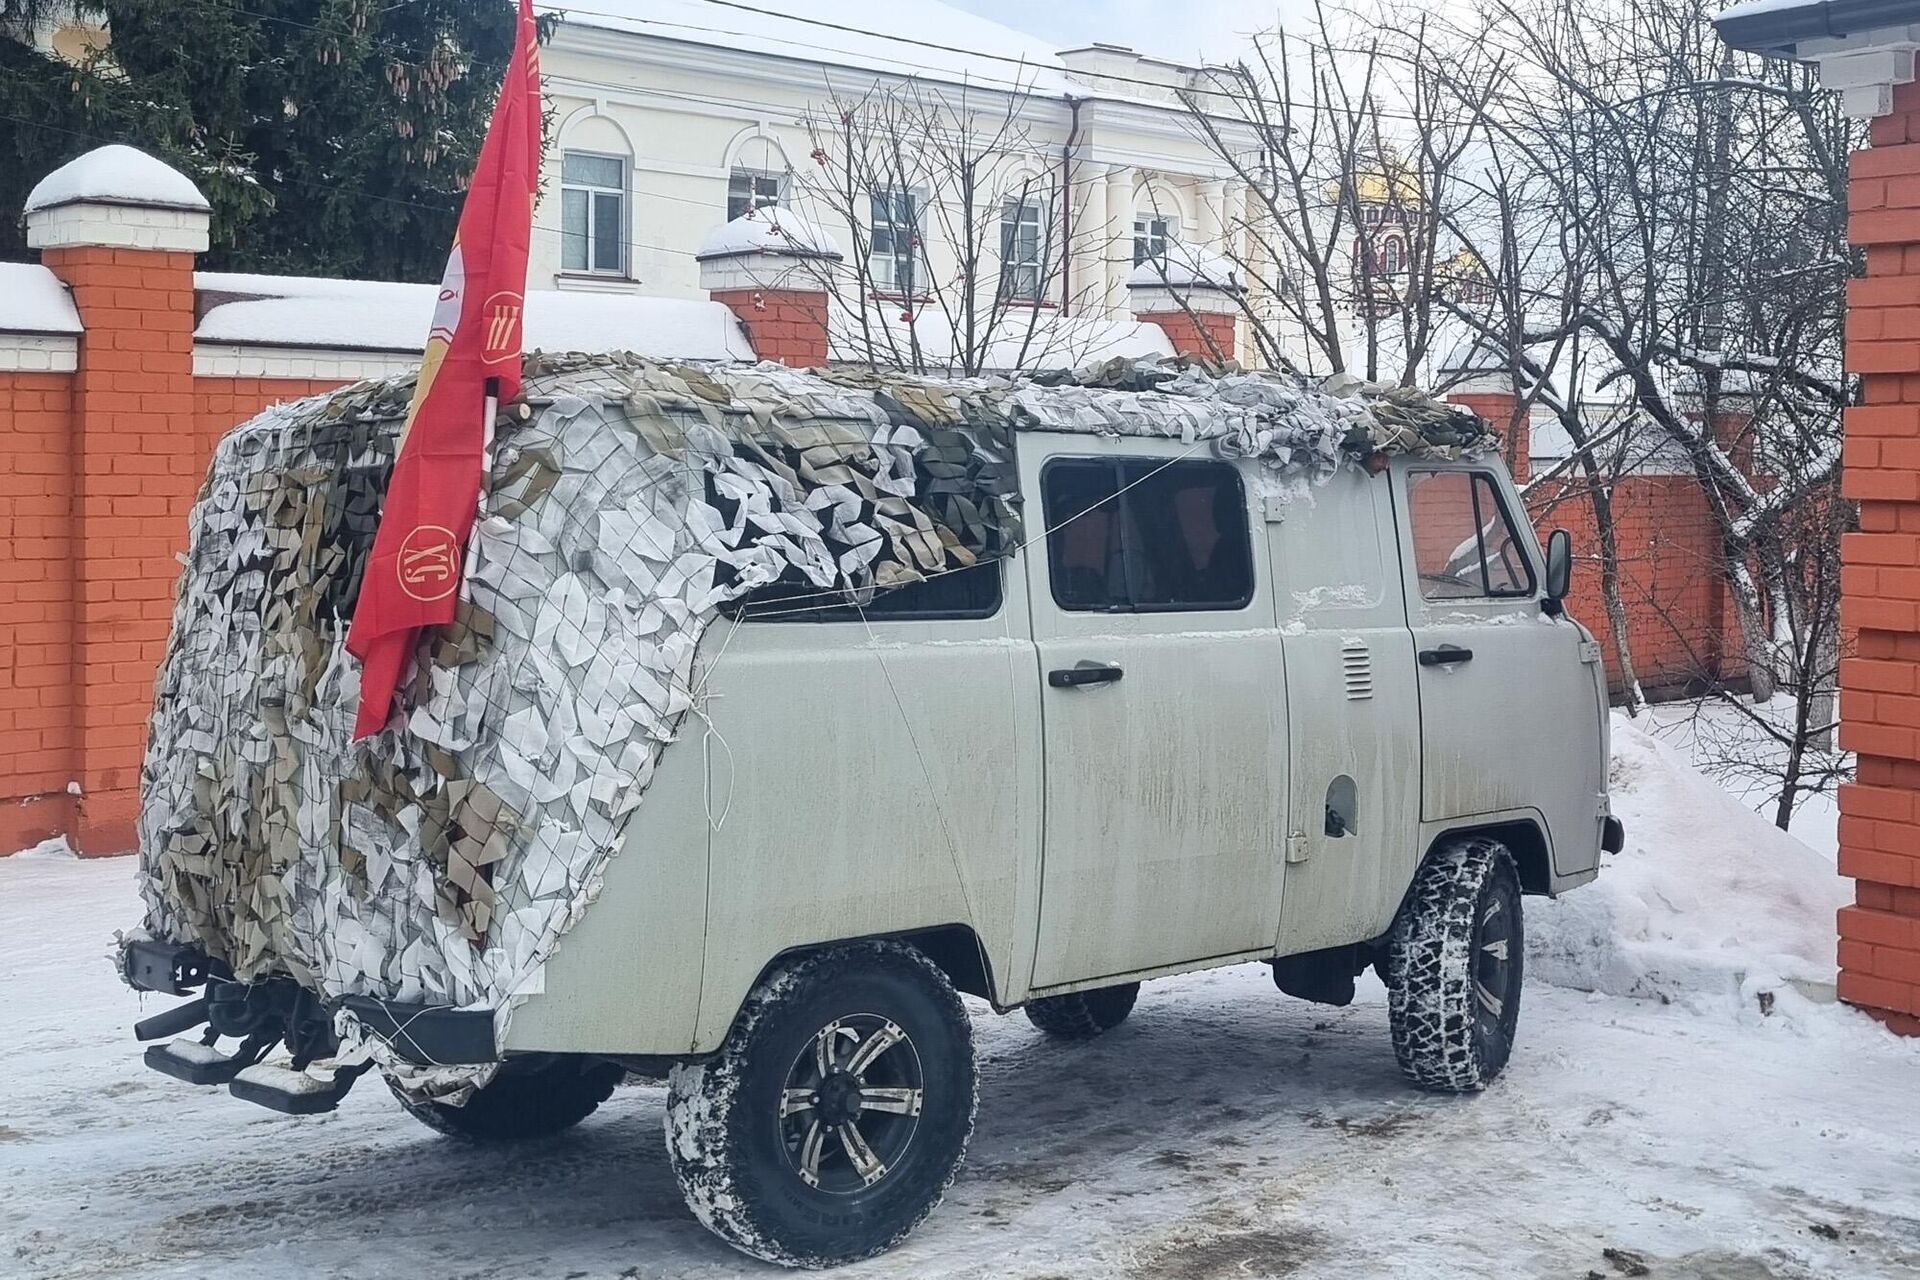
(1465,901)
(1083,1014)
(730,1134)
(534,1100)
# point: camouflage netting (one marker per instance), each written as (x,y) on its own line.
(442,860)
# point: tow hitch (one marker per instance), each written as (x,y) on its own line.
(260,1015)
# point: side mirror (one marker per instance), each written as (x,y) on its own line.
(1559,571)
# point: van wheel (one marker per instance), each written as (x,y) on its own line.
(1083,1014)
(1454,962)
(835,1116)
(527,1098)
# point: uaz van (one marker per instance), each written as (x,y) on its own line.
(1186,690)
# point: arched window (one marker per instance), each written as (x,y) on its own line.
(759,177)
(595,181)
(1392,257)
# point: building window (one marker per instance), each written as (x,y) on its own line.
(895,243)
(1151,235)
(754,189)
(593,213)
(1022,248)
(1392,260)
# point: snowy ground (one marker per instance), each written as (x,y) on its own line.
(1224,1132)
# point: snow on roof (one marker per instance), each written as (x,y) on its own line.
(997,55)
(1052,340)
(32,300)
(116,174)
(1186,266)
(769,231)
(364,315)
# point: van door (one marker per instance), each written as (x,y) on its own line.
(1508,701)
(1353,712)
(1163,709)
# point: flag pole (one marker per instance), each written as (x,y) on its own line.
(490,410)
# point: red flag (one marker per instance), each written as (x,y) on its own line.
(413,575)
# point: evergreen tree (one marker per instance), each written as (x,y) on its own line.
(332,137)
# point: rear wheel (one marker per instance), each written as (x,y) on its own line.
(527,1098)
(1454,967)
(1084,1014)
(834,1117)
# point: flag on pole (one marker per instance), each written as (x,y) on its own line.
(472,358)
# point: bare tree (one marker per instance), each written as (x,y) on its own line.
(960,229)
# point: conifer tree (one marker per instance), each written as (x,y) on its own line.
(332,137)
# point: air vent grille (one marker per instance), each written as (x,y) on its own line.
(1356,665)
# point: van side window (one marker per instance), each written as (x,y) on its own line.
(1465,544)
(1145,535)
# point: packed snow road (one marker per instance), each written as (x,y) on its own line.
(1224,1131)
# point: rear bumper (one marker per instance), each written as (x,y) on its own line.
(1613,835)
(428,1035)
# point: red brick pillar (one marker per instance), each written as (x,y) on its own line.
(776,273)
(121,230)
(1880,687)
(1478,379)
(1194,296)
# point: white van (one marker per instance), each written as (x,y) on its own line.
(1192,721)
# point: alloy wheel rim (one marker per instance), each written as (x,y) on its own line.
(851,1103)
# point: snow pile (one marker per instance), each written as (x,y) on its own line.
(369,315)
(1187,266)
(51,847)
(1023,338)
(116,174)
(1709,905)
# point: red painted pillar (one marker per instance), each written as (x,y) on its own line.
(776,273)
(121,230)
(1880,579)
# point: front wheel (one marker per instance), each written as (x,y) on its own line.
(834,1117)
(1454,967)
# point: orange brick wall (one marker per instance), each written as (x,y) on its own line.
(784,325)
(36,606)
(1880,686)
(1203,334)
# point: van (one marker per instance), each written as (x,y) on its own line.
(1188,690)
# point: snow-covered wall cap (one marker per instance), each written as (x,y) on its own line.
(1187,266)
(1475,353)
(119,175)
(32,300)
(769,231)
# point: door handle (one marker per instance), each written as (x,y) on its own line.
(1446,655)
(1085,673)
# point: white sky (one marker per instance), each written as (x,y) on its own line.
(1176,29)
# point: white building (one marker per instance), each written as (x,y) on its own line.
(674,115)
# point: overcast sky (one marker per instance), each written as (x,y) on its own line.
(1177,29)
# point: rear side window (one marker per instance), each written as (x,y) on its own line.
(1144,535)
(1465,543)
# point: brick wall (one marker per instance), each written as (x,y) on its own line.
(787,325)
(36,606)
(1880,687)
(1207,334)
